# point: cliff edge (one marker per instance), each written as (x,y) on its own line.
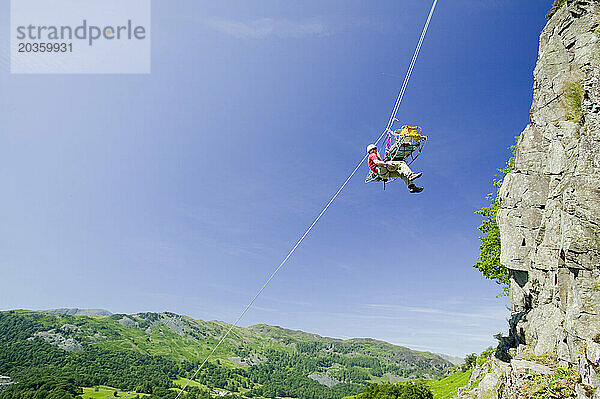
(550,203)
(549,222)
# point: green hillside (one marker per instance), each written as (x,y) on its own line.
(152,353)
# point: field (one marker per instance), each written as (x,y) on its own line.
(447,387)
(103,392)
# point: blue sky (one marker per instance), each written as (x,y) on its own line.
(183,189)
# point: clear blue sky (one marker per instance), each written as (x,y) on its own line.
(183,189)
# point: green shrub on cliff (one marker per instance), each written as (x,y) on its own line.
(560,384)
(489,250)
(573,99)
(557,4)
(470,362)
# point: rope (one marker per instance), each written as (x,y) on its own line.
(333,198)
(276,270)
(411,67)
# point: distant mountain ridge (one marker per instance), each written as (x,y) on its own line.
(275,331)
(452,359)
(258,361)
(361,345)
(78,312)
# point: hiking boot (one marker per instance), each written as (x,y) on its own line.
(415,176)
(414,189)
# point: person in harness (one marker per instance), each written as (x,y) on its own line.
(392,169)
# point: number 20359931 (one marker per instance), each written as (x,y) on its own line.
(45,47)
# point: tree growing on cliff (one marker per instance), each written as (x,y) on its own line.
(470,362)
(489,250)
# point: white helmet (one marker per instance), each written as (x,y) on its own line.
(371,147)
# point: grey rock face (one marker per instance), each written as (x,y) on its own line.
(492,377)
(79,312)
(522,367)
(496,379)
(550,204)
(61,338)
(249,361)
(127,322)
(324,379)
(174,322)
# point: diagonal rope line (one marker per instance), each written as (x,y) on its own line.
(333,198)
(411,67)
(283,262)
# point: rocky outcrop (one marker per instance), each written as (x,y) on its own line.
(251,360)
(127,322)
(63,338)
(486,381)
(517,379)
(324,379)
(180,325)
(79,312)
(550,203)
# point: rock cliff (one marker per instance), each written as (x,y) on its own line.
(549,221)
(550,203)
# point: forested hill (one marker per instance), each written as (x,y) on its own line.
(152,353)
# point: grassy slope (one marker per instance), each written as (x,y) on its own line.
(447,387)
(368,346)
(163,341)
(443,388)
(104,392)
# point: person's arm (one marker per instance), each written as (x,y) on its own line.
(379,163)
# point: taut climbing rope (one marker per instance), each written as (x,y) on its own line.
(333,198)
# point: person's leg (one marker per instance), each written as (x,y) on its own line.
(394,175)
(384,173)
(403,171)
(400,169)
